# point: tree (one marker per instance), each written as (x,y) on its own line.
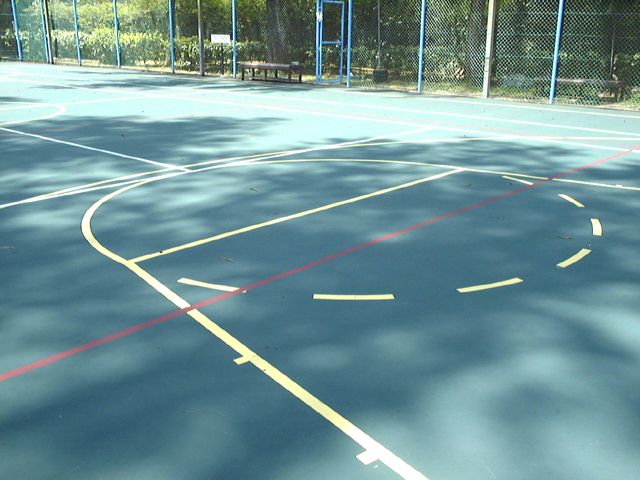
(275,43)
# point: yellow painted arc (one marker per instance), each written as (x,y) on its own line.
(293,216)
(487,286)
(392,461)
(574,258)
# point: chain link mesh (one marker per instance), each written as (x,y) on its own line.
(63,35)
(8,46)
(454,46)
(525,38)
(597,65)
(31,30)
(599,62)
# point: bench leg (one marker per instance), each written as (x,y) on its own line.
(300,76)
(275,72)
(265,74)
(243,74)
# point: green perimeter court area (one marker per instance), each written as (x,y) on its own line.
(214,279)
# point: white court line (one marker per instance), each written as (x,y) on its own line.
(414,123)
(84,147)
(541,108)
(364,118)
(133,178)
(213,165)
(427,112)
(400,94)
(60,110)
(361,106)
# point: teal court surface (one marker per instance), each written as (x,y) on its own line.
(215,279)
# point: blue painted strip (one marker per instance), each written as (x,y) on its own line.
(77,28)
(423,20)
(556,53)
(44,33)
(172,43)
(116,28)
(16,29)
(349,25)
(234,29)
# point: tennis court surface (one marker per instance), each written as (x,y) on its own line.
(215,279)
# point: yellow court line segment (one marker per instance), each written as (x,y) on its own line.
(326,296)
(596,227)
(477,288)
(574,258)
(571,200)
(210,286)
(275,221)
(384,455)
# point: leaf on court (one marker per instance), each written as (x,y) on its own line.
(228,260)
(564,237)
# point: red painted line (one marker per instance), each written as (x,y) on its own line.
(266,281)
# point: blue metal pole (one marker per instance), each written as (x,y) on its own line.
(556,53)
(172,41)
(318,41)
(349,25)
(44,33)
(116,28)
(234,35)
(423,19)
(341,42)
(16,29)
(77,28)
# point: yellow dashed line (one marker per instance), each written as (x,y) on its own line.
(571,200)
(323,296)
(477,288)
(575,258)
(596,226)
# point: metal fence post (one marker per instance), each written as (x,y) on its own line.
(116,28)
(489,48)
(172,43)
(556,52)
(318,47)
(423,19)
(44,32)
(200,39)
(16,29)
(349,35)
(234,36)
(47,24)
(77,30)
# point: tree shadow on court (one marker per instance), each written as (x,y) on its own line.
(453,383)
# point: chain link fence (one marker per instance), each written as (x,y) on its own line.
(598,61)
(8,46)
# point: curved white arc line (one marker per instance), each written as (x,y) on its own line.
(384,455)
(61,110)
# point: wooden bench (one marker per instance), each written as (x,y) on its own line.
(616,87)
(276,67)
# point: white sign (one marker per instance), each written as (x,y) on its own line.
(220,38)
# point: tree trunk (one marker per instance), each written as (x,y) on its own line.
(473,67)
(275,42)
